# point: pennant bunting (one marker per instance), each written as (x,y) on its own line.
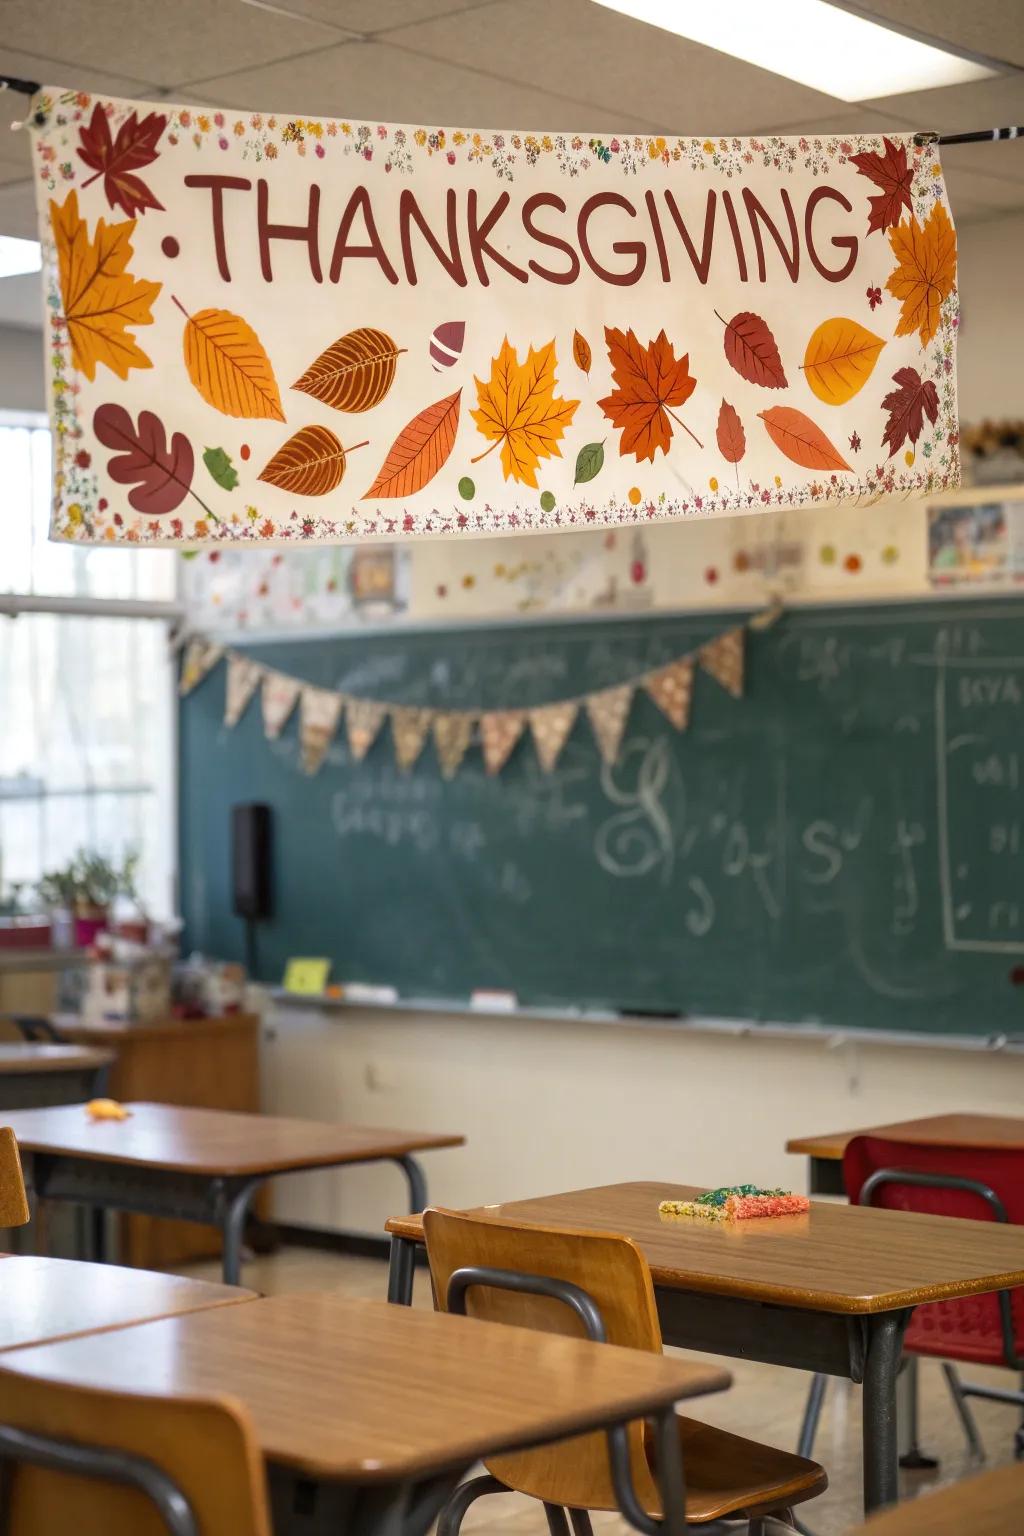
(608,712)
(279,695)
(671,688)
(499,731)
(722,659)
(551,727)
(319,713)
(242,680)
(363,720)
(409,729)
(452,736)
(200,657)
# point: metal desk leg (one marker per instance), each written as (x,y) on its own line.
(235,1209)
(417,1183)
(883,1344)
(907,1400)
(401,1270)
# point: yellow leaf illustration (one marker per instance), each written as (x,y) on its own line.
(101,297)
(926,273)
(518,409)
(228,365)
(839,359)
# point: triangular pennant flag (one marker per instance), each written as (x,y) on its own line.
(551,726)
(722,659)
(608,712)
(279,695)
(319,713)
(199,657)
(363,719)
(671,688)
(452,735)
(409,729)
(243,676)
(499,732)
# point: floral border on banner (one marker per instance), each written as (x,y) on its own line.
(85,515)
(322,711)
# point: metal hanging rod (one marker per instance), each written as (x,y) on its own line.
(981,136)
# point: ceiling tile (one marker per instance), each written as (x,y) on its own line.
(166,43)
(58,71)
(382,16)
(998,162)
(378,83)
(18,210)
(961,108)
(992,27)
(996,196)
(614,67)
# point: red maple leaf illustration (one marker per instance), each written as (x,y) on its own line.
(874,298)
(891,173)
(116,159)
(908,405)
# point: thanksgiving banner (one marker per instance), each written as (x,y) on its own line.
(269,328)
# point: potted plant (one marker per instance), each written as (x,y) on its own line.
(86,889)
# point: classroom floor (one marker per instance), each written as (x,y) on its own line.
(766,1402)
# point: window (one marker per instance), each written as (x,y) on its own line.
(86,690)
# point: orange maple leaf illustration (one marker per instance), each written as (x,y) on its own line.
(926,273)
(101,297)
(518,409)
(650,379)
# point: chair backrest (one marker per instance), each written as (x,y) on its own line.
(973,1324)
(14,1210)
(614,1273)
(206,1447)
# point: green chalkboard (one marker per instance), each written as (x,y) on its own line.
(844,846)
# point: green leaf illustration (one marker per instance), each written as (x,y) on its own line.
(589,462)
(547,501)
(221,468)
(467,490)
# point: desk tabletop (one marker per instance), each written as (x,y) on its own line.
(990,1132)
(991,1504)
(43,1300)
(210,1141)
(350,1390)
(836,1258)
(16,1058)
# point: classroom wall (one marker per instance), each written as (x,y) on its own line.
(21,369)
(992,320)
(552,1104)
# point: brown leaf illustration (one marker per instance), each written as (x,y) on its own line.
(419,450)
(732,440)
(581,351)
(310,463)
(518,408)
(160,472)
(101,297)
(648,381)
(355,372)
(228,365)
(908,405)
(926,273)
(892,173)
(751,349)
(801,439)
(116,159)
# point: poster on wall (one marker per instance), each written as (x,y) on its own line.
(271,328)
(259,590)
(977,538)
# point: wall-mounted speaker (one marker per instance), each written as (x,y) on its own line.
(250,861)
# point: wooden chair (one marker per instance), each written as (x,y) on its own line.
(96,1462)
(725,1474)
(14,1210)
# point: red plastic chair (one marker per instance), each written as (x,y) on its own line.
(985,1185)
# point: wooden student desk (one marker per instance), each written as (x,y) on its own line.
(31,1075)
(825,1153)
(829,1292)
(196,1164)
(43,1300)
(991,1504)
(382,1409)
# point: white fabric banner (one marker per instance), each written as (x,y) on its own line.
(267,328)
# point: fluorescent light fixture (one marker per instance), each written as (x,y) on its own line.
(17,256)
(817,44)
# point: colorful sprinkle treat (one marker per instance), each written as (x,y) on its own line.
(737,1202)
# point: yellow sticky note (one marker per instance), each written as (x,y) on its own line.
(306,977)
